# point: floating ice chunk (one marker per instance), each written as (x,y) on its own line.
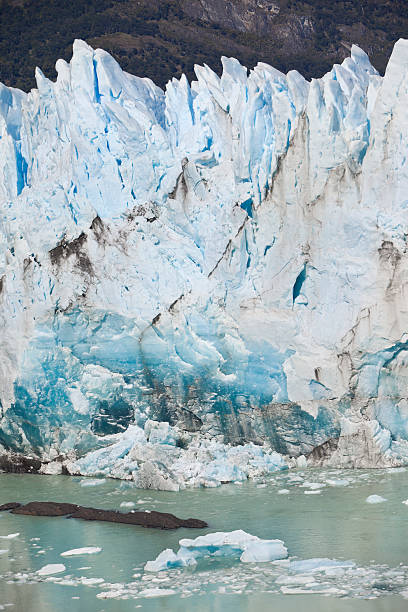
(51,568)
(233,544)
(168,559)
(313,485)
(92,482)
(87,550)
(318,565)
(283,491)
(10,536)
(375,499)
(91,581)
(313,589)
(3,550)
(292,579)
(263,551)
(339,482)
(156,592)
(314,492)
(127,504)
(405,502)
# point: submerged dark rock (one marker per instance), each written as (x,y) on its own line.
(9,506)
(46,509)
(158,520)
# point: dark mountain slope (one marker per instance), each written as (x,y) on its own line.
(161,39)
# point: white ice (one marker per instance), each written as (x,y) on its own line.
(86,550)
(375,499)
(236,544)
(51,568)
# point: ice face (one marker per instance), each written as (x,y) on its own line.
(228,256)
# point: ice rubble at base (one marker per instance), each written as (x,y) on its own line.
(235,544)
(330,577)
(228,255)
(151,458)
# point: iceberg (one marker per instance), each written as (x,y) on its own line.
(224,260)
(234,544)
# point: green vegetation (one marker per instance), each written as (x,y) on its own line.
(158,39)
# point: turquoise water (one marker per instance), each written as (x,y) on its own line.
(336,523)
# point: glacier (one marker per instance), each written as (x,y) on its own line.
(211,271)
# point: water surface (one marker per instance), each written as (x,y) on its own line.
(336,523)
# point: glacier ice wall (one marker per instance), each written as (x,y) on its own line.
(229,256)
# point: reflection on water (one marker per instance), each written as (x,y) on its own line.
(324,514)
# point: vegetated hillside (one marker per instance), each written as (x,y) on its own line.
(164,38)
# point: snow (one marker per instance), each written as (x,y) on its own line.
(235,544)
(86,550)
(375,499)
(220,263)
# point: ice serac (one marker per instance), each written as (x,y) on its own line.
(227,257)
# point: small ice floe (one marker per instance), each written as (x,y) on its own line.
(87,550)
(283,491)
(154,592)
(127,504)
(3,551)
(10,536)
(233,544)
(51,568)
(405,502)
(90,581)
(313,485)
(314,492)
(92,482)
(339,482)
(310,566)
(375,499)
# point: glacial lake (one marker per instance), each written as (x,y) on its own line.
(336,523)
